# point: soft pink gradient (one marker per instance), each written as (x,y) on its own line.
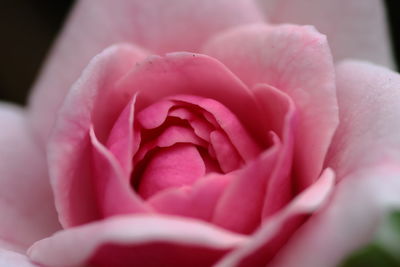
(251,149)
(355,29)
(27,210)
(296,60)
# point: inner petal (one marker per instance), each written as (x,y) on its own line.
(201,127)
(174,166)
(172,135)
(227,156)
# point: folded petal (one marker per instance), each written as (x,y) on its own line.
(175,166)
(137,240)
(296,60)
(54,84)
(93,100)
(262,246)
(198,201)
(183,73)
(94,25)
(349,221)
(114,194)
(369,110)
(13,259)
(27,211)
(354,28)
(281,117)
(124,138)
(240,206)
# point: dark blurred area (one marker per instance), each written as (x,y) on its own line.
(28,28)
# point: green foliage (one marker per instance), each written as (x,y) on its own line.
(383,251)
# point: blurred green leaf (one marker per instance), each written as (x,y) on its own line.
(383,251)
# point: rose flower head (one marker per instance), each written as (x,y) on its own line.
(204,133)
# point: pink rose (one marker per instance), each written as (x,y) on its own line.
(254,148)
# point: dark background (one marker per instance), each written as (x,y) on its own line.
(28,27)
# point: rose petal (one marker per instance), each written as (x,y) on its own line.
(96,24)
(368,133)
(198,201)
(296,60)
(51,89)
(239,208)
(201,128)
(348,222)
(27,211)
(184,73)
(176,241)
(92,100)
(124,139)
(274,232)
(355,29)
(227,156)
(154,115)
(12,259)
(113,190)
(171,136)
(175,166)
(280,116)
(228,121)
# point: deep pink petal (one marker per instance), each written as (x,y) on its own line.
(92,100)
(355,29)
(239,208)
(368,133)
(201,128)
(227,156)
(198,201)
(27,210)
(348,222)
(296,60)
(172,135)
(176,241)
(194,74)
(96,24)
(228,121)
(154,115)
(13,259)
(113,191)
(175,166)
(262,246)
(280,116)
(124,139)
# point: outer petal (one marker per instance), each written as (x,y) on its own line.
(27,211)
(348,222)
(274,232)
(369,101)
(139,241)
(97,24)
(366,155)
(355,29)
(297,60)
(12,259)
(89,103)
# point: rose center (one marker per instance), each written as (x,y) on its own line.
(183,138)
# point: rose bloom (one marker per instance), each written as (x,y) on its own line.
(204,133)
